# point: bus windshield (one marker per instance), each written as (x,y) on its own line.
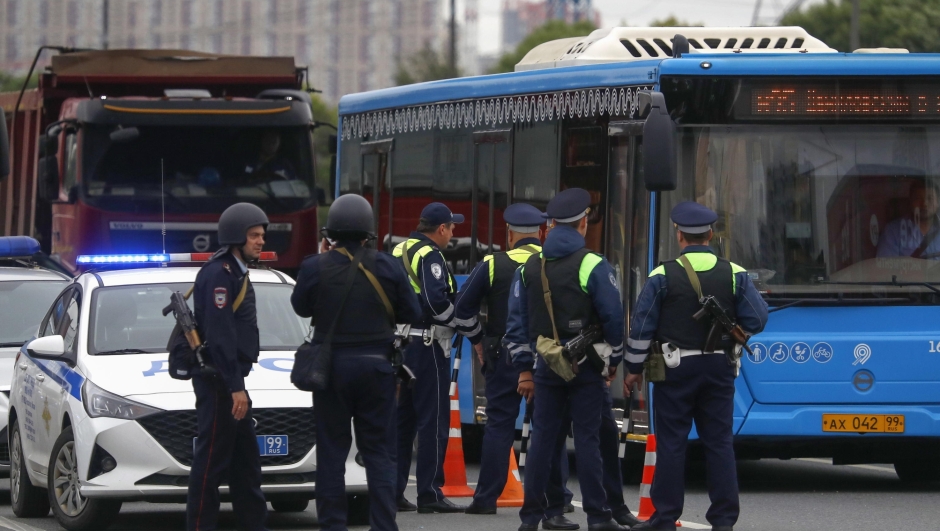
(204,169)
(833,211)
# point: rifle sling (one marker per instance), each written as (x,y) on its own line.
(693,276)
(375,284)
(238,300)
(547,293)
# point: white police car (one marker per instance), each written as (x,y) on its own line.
(26,291)
(96,420)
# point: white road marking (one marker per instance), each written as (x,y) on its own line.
(864,467)
(16,526)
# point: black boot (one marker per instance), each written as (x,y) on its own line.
(559,522)
(609,525)
(443,506)
(405,506)
(475,508)
(626,519)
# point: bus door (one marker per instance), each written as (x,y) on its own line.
(492,169)
(492,160)
(376,179)
(627,242)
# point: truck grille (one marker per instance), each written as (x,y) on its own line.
(175,431)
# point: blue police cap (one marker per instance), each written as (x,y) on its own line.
(439,214)
(693,218)
(523,218)
(568,205)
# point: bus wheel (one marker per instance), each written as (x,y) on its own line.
(918,470)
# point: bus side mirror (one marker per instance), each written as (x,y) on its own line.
(659,142)
(48,178)
(4,147)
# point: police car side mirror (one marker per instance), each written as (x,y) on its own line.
(47,348)
(659,142)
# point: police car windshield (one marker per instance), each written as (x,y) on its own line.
(129,319)
(829,211)
(22,307)
(205,169)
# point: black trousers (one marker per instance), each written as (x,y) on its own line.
(701,388)
(226,449)
(362,391)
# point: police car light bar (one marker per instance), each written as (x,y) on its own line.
(268,256)
(18,247)
(106,259)
(123,259)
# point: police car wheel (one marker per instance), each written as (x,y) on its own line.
(27,501)
(290,505)
(73,511)
(357,506)
(918,470)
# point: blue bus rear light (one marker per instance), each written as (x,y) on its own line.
(18,247)
(123,259)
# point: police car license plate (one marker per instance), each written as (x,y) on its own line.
(272,445)
(851,423)
(267,445)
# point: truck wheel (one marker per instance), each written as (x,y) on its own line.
(358,509)
(918,470)
(27,501)
(72,510)
(290,505)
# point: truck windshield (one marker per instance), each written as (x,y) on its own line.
(829,212)
(205,169)
(129,319)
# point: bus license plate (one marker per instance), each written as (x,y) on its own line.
(272,445)
(842,423)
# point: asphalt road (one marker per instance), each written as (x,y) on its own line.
(775,495)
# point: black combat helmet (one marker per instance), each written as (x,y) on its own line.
(237,219)
(350,218)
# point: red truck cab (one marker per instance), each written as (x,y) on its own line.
(140,151)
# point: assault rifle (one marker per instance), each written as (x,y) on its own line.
(187,323)
(721,323)
(582,345)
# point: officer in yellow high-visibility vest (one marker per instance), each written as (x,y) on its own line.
(425,410)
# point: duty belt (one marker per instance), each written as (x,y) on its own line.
(685,352)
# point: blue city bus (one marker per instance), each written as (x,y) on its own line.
(823,168)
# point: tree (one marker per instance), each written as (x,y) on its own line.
(672,22)
(910,24)
(14,83)
(425,65)
(550,31)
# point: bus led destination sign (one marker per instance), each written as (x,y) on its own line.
(831,102)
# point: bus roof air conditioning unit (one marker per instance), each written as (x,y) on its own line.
(614,45)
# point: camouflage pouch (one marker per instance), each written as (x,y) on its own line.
(655,365)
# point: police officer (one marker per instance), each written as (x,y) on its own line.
(226,446)
(701,387)
(362,381)
(425,410)
(487,288)
(583,292)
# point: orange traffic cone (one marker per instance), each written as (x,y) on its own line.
(512,495)
(455,469)
(649,469)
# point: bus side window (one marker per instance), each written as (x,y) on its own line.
(584,165)
(350,180)
(535,163)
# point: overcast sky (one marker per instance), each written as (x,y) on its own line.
(642,12)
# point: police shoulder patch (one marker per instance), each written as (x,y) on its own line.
(613,280)
(437,271)
(221,297)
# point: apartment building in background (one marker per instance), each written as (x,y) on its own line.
(348,45)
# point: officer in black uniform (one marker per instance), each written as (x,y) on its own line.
(701,387)
(362,381)
(583,292)
(425,410)
(487,289)
(226,446)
